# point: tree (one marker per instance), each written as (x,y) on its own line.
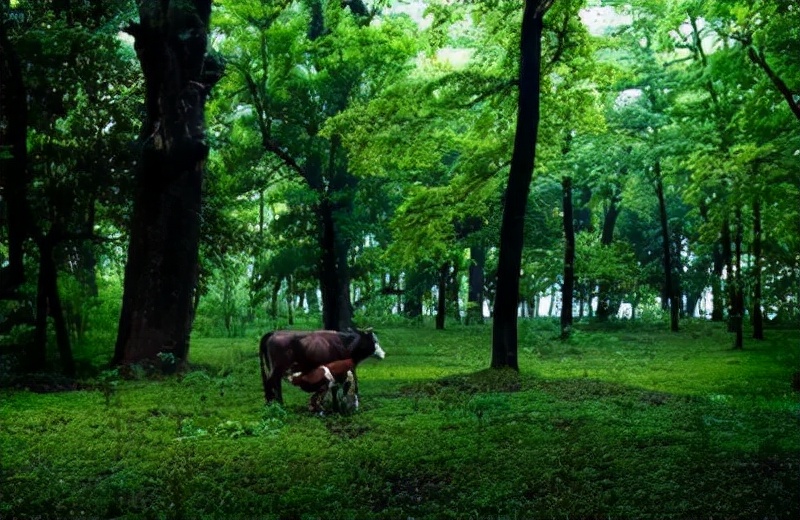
(13,158)
(161,271)
(504,331)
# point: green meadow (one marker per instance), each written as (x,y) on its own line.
(621,422)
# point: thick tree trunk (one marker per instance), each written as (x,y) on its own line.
(504,331)
(13,170)
(758,313)
(161,272)
(477,255)
(568,287)
(674,305)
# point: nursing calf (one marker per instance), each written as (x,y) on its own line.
(294,351)
(329,379)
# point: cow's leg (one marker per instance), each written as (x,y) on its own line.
(355,389)
(315,402)
(272,387)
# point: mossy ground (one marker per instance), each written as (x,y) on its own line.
(625,422)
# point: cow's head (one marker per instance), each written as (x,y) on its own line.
(366,345)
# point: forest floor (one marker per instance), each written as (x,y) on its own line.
(623,422)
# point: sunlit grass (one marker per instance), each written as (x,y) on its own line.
(621,423)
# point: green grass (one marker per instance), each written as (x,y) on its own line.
(630,422)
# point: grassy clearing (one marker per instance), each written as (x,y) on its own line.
(623,423)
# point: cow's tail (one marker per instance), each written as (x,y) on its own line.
(266,367)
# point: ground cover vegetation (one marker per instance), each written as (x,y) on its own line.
(627,422)
(177,178)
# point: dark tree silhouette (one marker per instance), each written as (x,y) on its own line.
(161,271)
(504,332)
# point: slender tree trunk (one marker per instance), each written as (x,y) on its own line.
(452,293)
(730,286)
(441,305)
(677,269)
(738,300)
(273,308)
(290,298)
(668,282)
(48,303)
(758,314)
(718,301)
(162,268)
(477,256)
(605,305)
(504,331)
(568,287)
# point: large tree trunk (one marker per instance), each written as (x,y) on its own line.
(504,331)
(477,256)
(568,287)
(674,304)
(758,314)
(161,272)
(14,209)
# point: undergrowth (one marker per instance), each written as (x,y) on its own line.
(615,423)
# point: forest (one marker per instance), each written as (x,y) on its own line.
(573,224)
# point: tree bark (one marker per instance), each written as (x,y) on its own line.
(504,331)
(758,314)
(477,255)
(161,271)
(674,305)
(568,287)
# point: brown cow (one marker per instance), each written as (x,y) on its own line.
(325,379)
(294,351)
